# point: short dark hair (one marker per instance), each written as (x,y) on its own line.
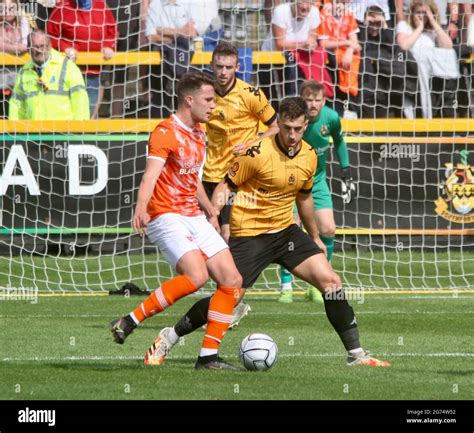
(192,81)
(224,48)
(292,108)
(312,86)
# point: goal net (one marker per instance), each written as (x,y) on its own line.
(68,189)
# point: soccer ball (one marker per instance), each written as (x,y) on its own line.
(258,352)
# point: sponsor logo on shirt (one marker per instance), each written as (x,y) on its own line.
(251,151)
(190,168)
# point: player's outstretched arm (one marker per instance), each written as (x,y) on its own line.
(152,172)
(272,130)
(340,145)
(305,204)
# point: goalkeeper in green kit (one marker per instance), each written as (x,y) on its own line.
(324,123)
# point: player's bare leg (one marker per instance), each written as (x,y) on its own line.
(317,271)
(327,230)
(324,221)
(241,309)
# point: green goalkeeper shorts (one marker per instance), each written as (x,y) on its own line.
(321,195)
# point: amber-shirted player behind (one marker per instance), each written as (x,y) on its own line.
(268,178)
(168,210)
(234,124)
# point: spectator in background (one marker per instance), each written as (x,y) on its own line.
(338,33)
(268,6)
(127,14)
(44,8)
(171,29)
(85,25)
(359,7)
(388,75)
(470,32)
(294,27)
(461,18)
(14,29)
(207,22)
(268,75)
(49,86)
(444,8)
(433,51)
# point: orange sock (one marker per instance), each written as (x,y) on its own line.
(219,316)
(164,296)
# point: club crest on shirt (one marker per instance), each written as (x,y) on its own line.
(234,169)
(324,130)
(291,179)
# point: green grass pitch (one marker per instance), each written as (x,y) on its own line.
(380,269)
(61,348)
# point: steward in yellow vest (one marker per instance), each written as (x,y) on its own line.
(49,86)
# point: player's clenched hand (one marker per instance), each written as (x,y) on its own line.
(239,148)
(140,221)
(214,221)
(213,218)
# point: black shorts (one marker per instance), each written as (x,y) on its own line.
(289,248)
(224,216)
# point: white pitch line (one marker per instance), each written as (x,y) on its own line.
(253,313)
(282,355)
(72,358)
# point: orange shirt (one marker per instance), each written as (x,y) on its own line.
(336,29)
(182,150)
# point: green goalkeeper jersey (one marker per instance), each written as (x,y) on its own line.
(318,133)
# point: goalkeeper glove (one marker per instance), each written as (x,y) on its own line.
(348,187)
